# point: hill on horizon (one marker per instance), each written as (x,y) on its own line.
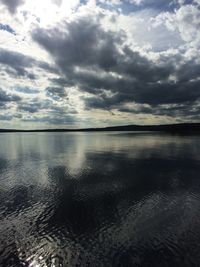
(178,127)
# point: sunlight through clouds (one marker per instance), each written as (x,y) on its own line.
(105,56)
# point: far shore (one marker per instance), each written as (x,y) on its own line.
(181,127)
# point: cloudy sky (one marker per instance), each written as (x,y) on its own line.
(87,63)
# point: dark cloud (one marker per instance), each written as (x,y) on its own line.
(21,65)
(62,110)
(185,110)
(34,105)
(16,61)
(7,28)
(6,97)
(60,81)
(56,93)
(55,112)
(81,43)
(98,61)
(98,102)
(29,108)
(144,92)
(12,5)
(46,67)
(145,110)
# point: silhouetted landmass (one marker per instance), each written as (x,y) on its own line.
(182,127)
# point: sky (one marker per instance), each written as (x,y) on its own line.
(87,63)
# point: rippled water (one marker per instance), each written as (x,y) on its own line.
(99,199)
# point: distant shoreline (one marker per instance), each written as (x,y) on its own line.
(180,127)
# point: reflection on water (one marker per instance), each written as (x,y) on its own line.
(99,199)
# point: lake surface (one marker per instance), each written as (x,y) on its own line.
(99,199)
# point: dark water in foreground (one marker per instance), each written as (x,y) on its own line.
(99,199)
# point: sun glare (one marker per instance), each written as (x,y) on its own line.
(48,12)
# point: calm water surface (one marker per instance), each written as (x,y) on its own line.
(99,199)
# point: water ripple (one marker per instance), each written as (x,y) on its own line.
(99,200)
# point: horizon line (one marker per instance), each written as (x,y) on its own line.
(127,127)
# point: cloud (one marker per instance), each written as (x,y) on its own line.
(34,105)
(6,117)
(127,57)
(8,97)
(65,120)
(57,2)
(56,93)
(12,5)
(110,2)
(39,110)
(185,21)
(185,111)
(30,108)
(136,2)
(16,61)
(22,65)
(26,90)
(79,43)
(96,60)
(61,81)
(7,28)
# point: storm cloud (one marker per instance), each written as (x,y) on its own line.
(81,43)
(99,61)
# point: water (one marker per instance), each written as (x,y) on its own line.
(99,199)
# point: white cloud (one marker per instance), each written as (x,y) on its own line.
(111,2)
(185,21)
(136,2)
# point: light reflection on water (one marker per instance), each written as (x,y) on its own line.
(99,199)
